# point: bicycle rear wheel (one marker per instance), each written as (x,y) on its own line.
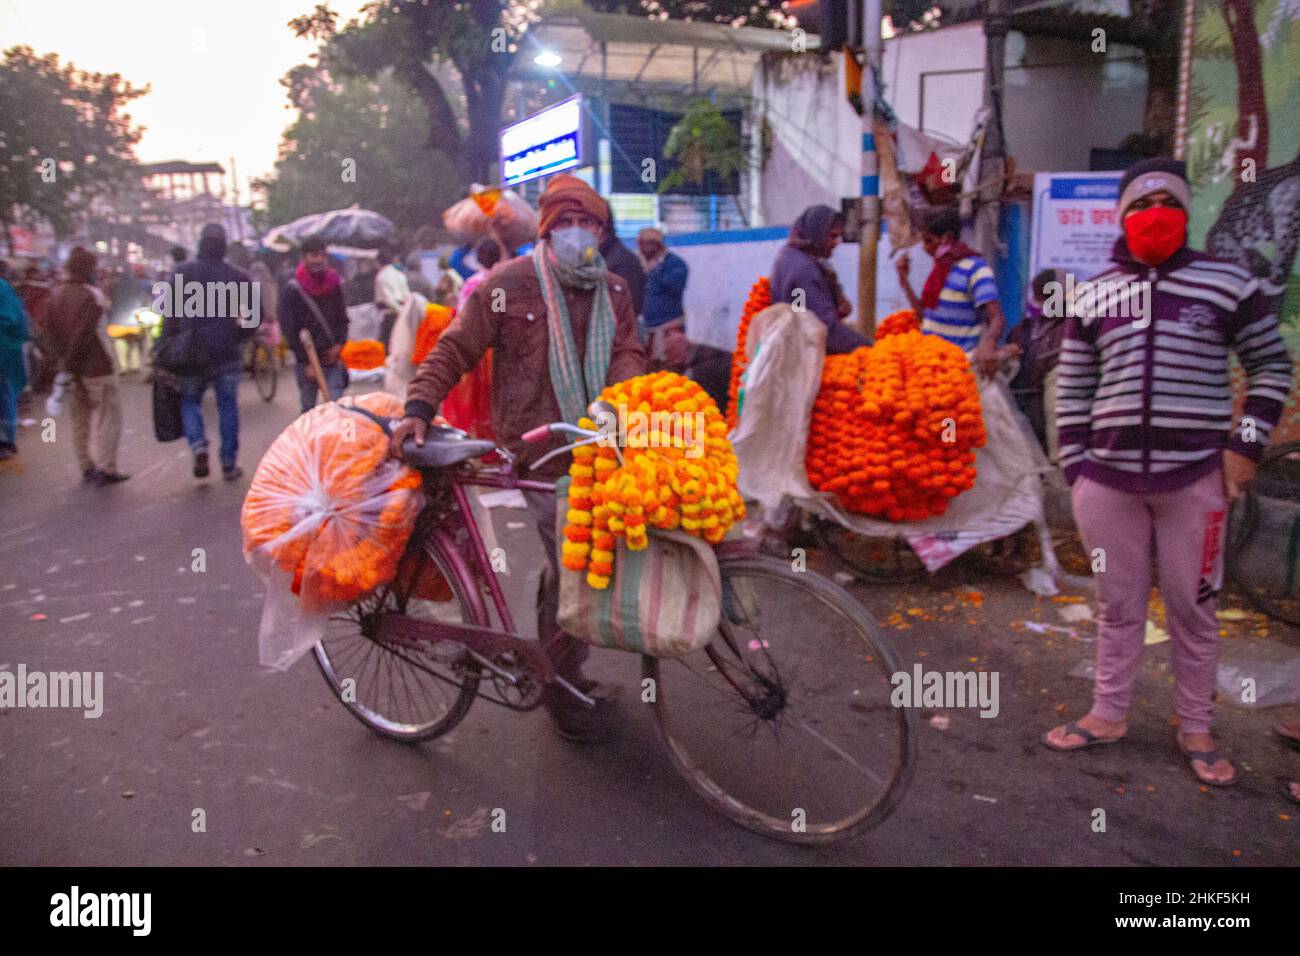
(407,690)
(264,371)
(784,722)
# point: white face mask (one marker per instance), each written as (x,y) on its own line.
(574,246)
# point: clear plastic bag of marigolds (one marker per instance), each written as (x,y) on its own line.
(326,520)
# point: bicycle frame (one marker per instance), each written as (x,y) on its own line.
(471,566)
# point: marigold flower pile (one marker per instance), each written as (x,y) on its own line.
(904,320)
(659,484)
(877,435)
(760,297)
(436,319)
(362,354)
(328,506)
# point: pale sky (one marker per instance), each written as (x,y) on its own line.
(214,67)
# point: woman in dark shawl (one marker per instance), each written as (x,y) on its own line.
(802,276)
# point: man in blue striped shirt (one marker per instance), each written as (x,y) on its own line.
(960,299)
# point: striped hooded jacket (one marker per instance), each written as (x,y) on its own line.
(1145,406)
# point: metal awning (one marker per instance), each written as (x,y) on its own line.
(643,52)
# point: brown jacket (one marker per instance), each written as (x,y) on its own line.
(522,397)
(72,319)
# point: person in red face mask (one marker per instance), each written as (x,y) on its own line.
(1152,453)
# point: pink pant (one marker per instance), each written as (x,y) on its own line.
(1187,528)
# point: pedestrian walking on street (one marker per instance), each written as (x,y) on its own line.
(391,290)
(313,300)
(1038,337)
(1148,444)
(663,317)
(564,310)
(76,318)
(13,373)
(802,276)
(219,333)
(959,301)
(488,253)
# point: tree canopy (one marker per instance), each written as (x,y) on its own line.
(357,140)
(64,138)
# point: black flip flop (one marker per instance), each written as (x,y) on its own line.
(1089,739)
(1210,757)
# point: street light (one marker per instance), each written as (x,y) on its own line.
(548,59)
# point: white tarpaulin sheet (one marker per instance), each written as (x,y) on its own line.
(779,388)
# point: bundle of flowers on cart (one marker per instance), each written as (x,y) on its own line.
(895,439)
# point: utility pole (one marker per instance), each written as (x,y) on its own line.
(993,156)
(869,197)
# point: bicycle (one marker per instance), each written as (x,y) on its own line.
(783,722)
(262,365)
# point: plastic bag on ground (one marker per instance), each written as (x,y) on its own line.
(1260,683)
(326,520)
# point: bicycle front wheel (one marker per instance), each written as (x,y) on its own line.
(784,722)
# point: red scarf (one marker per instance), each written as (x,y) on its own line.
(314,285)
(939,274)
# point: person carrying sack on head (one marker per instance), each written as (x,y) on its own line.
(313,300)
(564,328)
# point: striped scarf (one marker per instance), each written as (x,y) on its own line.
(575,386)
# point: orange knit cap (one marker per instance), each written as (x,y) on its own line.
(567,193)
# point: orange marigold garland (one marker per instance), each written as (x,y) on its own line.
(760,297)
(672,477)
(328,506)
(904,320)
(436,319)
(362,354)
(895,427)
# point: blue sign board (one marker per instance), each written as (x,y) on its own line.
(544,143)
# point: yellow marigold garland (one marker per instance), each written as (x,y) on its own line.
(661,482)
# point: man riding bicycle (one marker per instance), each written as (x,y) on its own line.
(562,327)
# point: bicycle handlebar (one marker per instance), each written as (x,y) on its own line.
(543,432)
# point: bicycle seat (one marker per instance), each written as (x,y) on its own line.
(444,447)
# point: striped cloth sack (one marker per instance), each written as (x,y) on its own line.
(665,601)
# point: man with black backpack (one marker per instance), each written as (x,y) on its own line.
(313,300)
(203,333)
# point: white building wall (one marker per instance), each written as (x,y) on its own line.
(1061,100)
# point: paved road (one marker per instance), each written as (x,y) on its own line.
(285,776)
